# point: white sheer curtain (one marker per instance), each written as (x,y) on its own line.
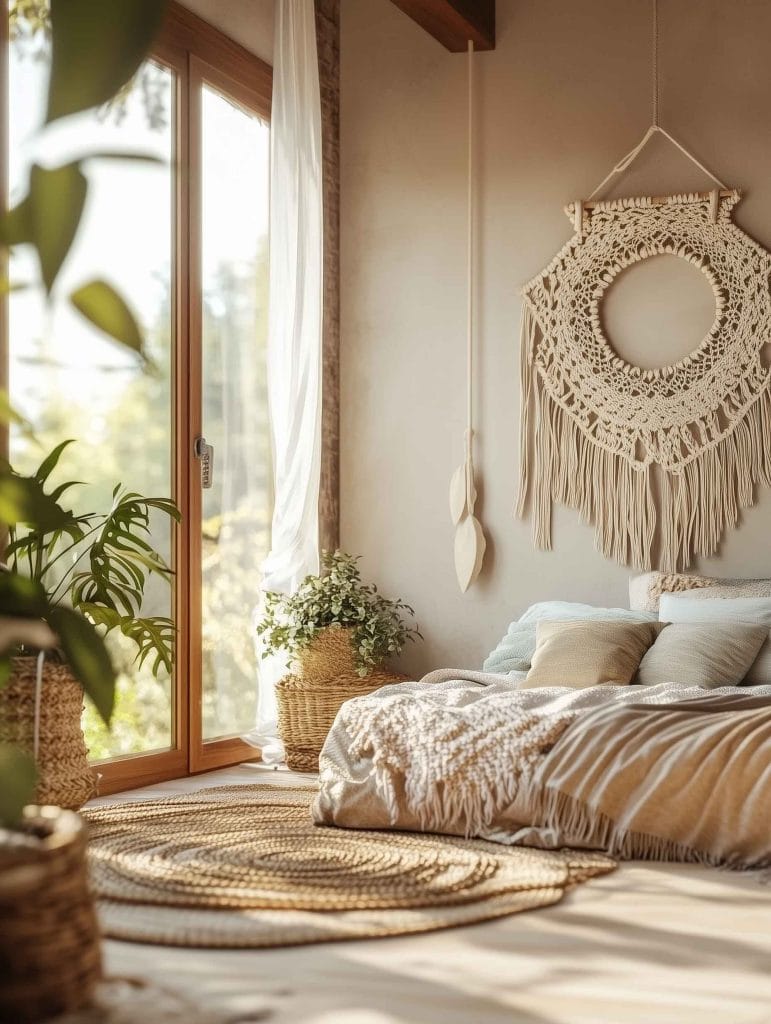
(295,323)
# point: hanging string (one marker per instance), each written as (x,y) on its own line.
(655,127)
(470,263)
(38,695)
(655,63)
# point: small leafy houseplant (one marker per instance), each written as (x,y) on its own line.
(337,632)
(79,575)
(337,598)
(92,565)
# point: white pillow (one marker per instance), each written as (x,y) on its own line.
(687,608)
(558,611)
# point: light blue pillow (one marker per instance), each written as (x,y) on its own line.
(515,651)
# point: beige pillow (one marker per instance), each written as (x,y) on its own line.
(589,653)
(755,588)
(706,654)
(645,591)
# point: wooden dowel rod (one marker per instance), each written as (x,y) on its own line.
(591,203)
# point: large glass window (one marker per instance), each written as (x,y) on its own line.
(68,378)
(204,200)
(235,523)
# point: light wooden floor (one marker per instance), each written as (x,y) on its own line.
(647,944)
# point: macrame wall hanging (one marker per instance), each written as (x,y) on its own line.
(662,460)
(470,541)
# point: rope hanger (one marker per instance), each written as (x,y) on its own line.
(470,266)
(655,128)
(470,541)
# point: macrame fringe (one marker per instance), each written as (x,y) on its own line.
(561,463)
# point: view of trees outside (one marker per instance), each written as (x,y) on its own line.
(73,383)
(236,509)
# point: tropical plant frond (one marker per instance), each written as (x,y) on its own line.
(153,635)
(120,558)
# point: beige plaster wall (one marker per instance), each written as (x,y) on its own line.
(564,95)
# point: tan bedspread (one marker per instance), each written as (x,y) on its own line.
(657,772)
(688,781)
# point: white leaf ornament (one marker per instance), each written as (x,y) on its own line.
(470,547)
(458,494)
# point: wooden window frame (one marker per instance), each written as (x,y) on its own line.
(195,51)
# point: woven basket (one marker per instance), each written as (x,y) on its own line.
(50,957)
(309,700)
(64,775)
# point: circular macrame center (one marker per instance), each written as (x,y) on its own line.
(658,311)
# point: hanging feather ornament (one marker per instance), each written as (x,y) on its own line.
(470,541)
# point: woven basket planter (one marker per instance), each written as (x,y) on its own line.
(50,957)
(309,700)
(64,775)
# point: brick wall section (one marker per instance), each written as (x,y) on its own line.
(328,45)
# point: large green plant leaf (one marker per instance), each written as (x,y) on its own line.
(152,634)
(97,46)
(9,414)
(23,500)
(57,199)
(87,657)
(17,784)
(22,597)
(49,216)
(103,306)
(16,224)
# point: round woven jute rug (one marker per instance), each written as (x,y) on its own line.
(244,866)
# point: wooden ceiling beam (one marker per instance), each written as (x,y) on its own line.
(454,22)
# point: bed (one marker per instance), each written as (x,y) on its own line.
(548,750)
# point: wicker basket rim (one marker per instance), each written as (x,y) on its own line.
(341,682)
(22,865)
(49,664)
(66,826)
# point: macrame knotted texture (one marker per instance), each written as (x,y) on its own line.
(660,460)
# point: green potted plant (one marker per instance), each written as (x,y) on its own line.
(82,575)
(337,633)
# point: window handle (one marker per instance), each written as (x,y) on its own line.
(205,453)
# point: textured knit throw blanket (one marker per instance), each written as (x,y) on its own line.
(659,772)
(596,431)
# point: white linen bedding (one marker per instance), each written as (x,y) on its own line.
(468,753)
